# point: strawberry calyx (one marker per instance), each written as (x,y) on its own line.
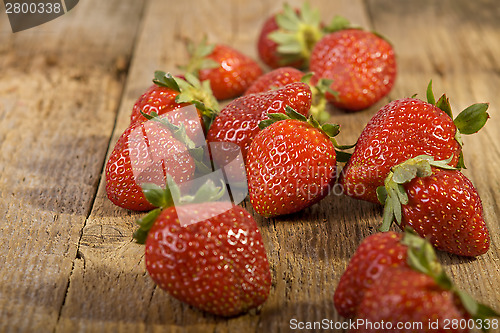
(198,57)
(330,130)
(179,133)
(298,32)
(393,194)
(168,196)
(422,258)
(469,121)
(338,23)
(319,101)
(193,91)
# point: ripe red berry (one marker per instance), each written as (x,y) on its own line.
(238,122)
(438,203)
(361,65)
(145,153)
(403,129)
(291,165)
(375,253)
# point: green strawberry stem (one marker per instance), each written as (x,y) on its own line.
(422,258)
(393,194)
(297,34)
(331,130)
(170,195)
(469,121)
(179,133)
(191,91)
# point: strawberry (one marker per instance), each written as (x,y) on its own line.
(416,296)
(403,129)
(274,79)
(396,278)
(282,76)
(361,64)
(169,93)
(372,257)
(291,163)
(402,295)
(287,38)
(438,202)
(145,153)
(229,71)
(208,254)
(238,122)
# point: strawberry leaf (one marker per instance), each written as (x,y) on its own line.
(444,104)
(292,114)
(207,192)
(297,33)
(404,173)
(472,119)
(308,15)
(198,57)
(331,129)
(265,123)
(342,156)
(430,94)
(168,197)
(319,101)
(288,20)
(476,310)
(388,216)
(179,133)
(163,79)
(394,195)
(337,23)
(422,258)
(381,194)
(157,196)
(145,223)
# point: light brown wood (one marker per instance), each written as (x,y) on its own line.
(68,260)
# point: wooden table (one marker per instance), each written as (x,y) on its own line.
(67,258)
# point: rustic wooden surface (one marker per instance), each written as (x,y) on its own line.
(67,259)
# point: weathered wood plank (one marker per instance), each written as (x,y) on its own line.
(59,94)
(88,274)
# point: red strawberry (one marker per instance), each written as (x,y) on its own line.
(209,255)
(169,93)
(274,79)
(291,164)
(282,76)
(393,279)
(145,153)
(438,203)
(402,295)
(361,64)
(375,253)
(287,38)
(238,122)
(229,71)
(403,129)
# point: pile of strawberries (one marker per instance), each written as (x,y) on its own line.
(208,252)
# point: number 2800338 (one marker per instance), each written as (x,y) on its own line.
(33,8)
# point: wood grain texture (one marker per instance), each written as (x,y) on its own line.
(68,260)
(60,88)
